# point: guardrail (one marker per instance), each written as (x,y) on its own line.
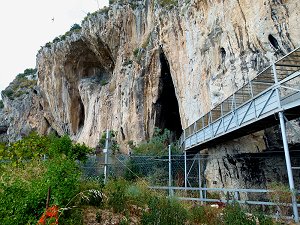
(234,197)
(256,100)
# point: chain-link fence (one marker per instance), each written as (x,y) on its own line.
(246,178)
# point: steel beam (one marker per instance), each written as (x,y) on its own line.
(289,167)
(185,170)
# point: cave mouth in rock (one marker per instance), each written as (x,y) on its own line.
(83,67)
(167,110)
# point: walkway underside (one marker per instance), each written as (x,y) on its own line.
(258,125)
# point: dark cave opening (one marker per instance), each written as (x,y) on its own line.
(168,116)
(81,115)
(223,54)
(273,41)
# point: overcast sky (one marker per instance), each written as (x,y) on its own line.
(27,24)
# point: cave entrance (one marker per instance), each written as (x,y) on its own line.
(167,110)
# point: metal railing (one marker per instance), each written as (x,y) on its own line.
(256,100)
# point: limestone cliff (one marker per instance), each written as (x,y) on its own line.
(111,72)
(141,64)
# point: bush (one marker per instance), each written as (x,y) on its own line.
(139,193)
(1,104)
(8,93)
(281,195)
(23,190)
(63,145)
(234,215)
(114,146)
(204,215)
(168,3)
(164,211)
(55,40)
(75,27)
(35,146)
(115,190)
(31,147)
(157,145)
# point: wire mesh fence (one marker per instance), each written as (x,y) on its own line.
(249,177)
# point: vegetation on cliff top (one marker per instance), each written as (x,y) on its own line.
(21,84)
(75,28)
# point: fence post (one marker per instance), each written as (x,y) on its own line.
(106,156)
(170,173)
(200,180)
(185,170)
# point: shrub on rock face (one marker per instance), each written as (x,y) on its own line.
(75,27)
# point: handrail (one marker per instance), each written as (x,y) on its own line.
(232,99)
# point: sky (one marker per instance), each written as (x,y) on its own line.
(27,24)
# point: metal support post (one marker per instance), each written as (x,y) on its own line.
(286,150)
(289,167)
(170,173)
(200,180)
(185,170)
(106,156)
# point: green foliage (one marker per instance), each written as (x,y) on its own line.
(56,39)
(63,145)
(204,215)
(136,52)
(124,221)
(23,190)
(8,93)
(281,195)
(75,27)
(139,193)
(29,71)
(114,146)
(132,171)
(103,11)
(168,3)
(157,145)
(35,146)
(234,215)
(74,217)
(264,220)
(21,84)
(115,190)
(164,211)
(48,45)
(112,2)
(103,82)
(30,147)
(1,104)
(98,217)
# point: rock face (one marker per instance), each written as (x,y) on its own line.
(22,111)
(111,73)
(139,65)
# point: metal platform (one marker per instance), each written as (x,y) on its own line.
(251,108)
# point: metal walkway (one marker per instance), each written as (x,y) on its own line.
(264,101)
(251,108)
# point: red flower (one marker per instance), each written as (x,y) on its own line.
(51,212)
